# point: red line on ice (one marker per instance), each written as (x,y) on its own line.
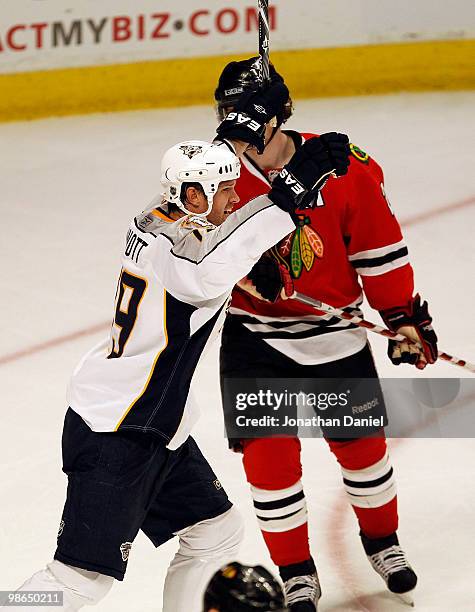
(43,346)
(435,212)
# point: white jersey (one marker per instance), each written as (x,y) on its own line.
(171,298)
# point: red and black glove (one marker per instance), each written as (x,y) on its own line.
(268,280)
(414,321)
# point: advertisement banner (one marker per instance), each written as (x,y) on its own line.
(47,34)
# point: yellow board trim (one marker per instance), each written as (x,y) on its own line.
(345,71)
(154,362)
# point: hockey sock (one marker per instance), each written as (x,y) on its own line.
(204,548)
(79,587)
(288,547)
(273,469)
(282,517)
(369,483)
(378,522)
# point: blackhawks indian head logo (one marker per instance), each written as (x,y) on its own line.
(191,150)
(301,248)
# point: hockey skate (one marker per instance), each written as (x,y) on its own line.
(389,561)
(302,593)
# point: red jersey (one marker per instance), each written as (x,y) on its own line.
(351,236)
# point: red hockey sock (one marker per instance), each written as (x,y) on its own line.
(288,547)
(274,470)
(369,483)
(378,522)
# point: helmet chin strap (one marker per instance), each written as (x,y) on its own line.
(274,132)
(209,199)
(209,209)
(275,127)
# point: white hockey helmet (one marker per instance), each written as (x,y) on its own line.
(197,161)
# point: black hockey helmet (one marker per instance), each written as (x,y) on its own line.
(245,76)
(244,588)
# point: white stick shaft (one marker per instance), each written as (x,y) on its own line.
(377,329)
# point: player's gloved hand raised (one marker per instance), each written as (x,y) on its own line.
(247,121)
(298,183)
(414,321)
(338,148)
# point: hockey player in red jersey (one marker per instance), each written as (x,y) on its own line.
(350,237)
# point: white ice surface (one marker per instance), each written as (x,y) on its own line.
(68,188)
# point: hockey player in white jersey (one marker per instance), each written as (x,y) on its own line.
(127,450)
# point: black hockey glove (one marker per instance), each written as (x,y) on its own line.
(298,183)
(269,278)
(236,445)
(414,321)
(338,148)
(248,119)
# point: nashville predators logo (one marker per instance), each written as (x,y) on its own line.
(191,150)
(195,222)
(300,249)
(125,550)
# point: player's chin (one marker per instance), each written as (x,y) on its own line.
(215,220)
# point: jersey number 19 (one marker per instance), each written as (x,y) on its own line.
(130,291)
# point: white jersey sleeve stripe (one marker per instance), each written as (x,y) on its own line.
(384,268)
(380,261)
(380,252)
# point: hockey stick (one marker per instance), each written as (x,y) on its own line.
(377,329)
(263,7)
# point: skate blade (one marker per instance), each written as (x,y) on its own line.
(407,598)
